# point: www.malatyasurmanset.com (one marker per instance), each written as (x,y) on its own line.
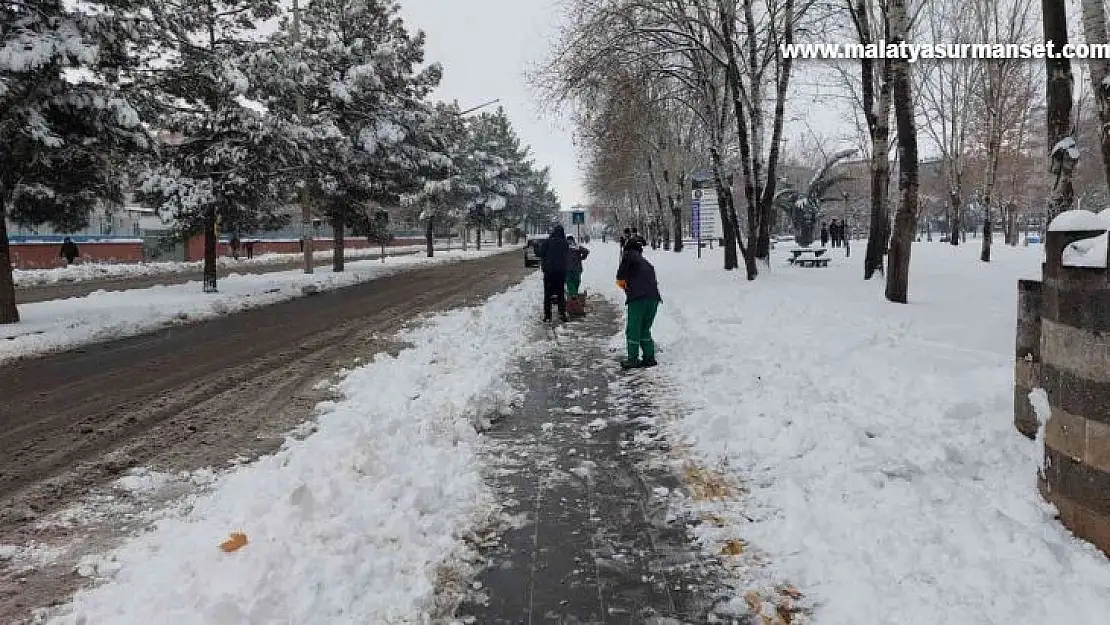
(914,52)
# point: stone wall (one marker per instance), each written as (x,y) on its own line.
(1072,365)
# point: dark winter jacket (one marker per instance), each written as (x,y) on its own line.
(69,250)
(639,276)
(575,256)
(555,252)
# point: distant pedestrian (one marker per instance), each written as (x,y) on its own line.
(625,238)
(824,234)
(554,254)
(235,246)
(69,251)
(834,233)
(636,277)
(249,245)
(576,253)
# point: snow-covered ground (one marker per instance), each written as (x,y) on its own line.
(104,315)
(875,441)
(82,272)
(348,525)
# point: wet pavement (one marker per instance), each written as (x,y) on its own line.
(583,469)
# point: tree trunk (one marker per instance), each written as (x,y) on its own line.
(337,227)
(729,234)
(994,150)
(676,209)
(210,243)
(782,87)
(879,228)
(1094,29)
(747,138)
(898,276)
(955,226)
(500,236)
(429,236)
(879,126)
(1058,114)
(9,313)
(478,238)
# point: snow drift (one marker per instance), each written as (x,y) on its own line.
(347,525)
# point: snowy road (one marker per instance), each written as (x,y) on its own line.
(189,397)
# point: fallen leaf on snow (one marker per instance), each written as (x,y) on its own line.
(237,541)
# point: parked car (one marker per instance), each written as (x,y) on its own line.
(531,251)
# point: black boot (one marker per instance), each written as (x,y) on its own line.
(649,362)
(631,364)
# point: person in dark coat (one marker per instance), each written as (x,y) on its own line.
(824,234)
(69,251)
(249,245)
(575,255)
(636,277)
(235,246)
(555,255)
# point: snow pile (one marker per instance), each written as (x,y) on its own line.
(875,441)
(103,315)
(1089,253)
(1077,221)
(347,525)
(82,272)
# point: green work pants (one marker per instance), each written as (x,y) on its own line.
(637,332)
(574,281)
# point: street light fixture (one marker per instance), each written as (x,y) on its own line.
(480,106)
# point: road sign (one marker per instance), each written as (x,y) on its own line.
(706,217)
(578,217)
(695,216)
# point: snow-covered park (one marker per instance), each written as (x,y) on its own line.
(104,315)
(874,441)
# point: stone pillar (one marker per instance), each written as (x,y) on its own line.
(1075,374)
(1027,362)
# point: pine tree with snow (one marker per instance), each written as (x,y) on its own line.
(64,124)
(228,164)
(540,202)
(490,169)
(443,192)
(355,83)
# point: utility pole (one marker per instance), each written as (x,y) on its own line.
(306,209)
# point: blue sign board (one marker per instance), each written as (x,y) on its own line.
(696,214)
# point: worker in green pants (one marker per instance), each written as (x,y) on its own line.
(577,254)
(637,277)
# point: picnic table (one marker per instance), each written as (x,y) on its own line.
(809,257)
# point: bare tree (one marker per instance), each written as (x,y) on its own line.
(948,89)
(905,221)
(1005,88)
(1062,150)
(876,88)
(1094,30)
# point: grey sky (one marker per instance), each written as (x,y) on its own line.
(485,47)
